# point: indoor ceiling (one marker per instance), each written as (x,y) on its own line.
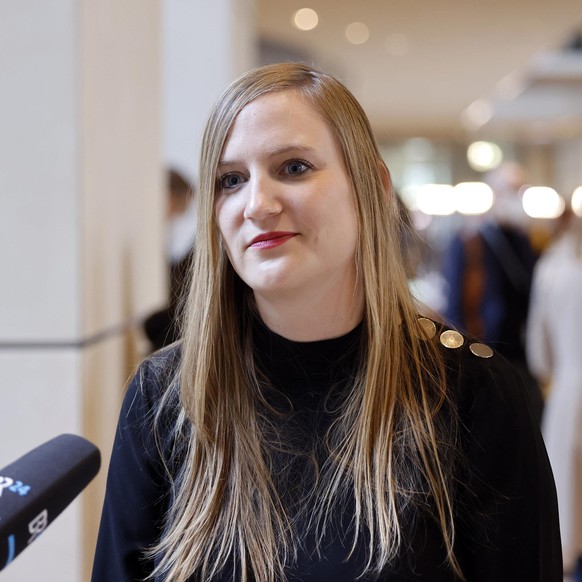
(441,68)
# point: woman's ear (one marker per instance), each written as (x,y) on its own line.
(385,175)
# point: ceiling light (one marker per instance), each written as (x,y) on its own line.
(436,199)
(511,86)
(357,33)
(577,201)
(473,197)
(484,156)
(477,114)
(543,202)
(305,19)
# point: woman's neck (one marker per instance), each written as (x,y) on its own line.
(312,318)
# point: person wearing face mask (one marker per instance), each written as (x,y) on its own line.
(311,425)
(161,327)
(489,274)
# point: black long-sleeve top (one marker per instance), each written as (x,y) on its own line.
(507,526)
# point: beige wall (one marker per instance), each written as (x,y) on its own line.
(120,161)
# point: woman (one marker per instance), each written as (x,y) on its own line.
(310,426)
(554,334)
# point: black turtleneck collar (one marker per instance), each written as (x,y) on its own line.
(298,368)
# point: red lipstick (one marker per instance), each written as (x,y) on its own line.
(270,240)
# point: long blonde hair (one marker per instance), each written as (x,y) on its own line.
(390,443)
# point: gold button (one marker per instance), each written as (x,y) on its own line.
(452,339)
(481,350)
(427,328)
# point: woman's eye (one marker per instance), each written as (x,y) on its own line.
(229,181)
(296,167)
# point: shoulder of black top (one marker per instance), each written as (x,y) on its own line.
(451,338)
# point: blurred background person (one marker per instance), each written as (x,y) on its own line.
(160,327)
(489,271)
(554,336)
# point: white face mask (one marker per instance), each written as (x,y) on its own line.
(180,234)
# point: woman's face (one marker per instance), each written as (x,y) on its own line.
(285,206)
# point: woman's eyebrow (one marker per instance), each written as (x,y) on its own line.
(272,152)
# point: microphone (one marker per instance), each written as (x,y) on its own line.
(38,486)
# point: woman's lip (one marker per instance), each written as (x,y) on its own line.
(271,239)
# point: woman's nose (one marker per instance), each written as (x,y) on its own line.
(263,199)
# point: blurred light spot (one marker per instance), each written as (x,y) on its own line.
(484,155)
(436,199)
(543,202)
(397,44)
(305,19)
(409,194)
(577,201)
(511,86)
(357,33)
(473,197)
(477,114)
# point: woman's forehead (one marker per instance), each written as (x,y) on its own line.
(280,118)
(285,101)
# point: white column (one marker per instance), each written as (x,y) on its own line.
(206,45)
(81,252)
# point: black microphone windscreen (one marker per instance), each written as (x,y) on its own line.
(38,486)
